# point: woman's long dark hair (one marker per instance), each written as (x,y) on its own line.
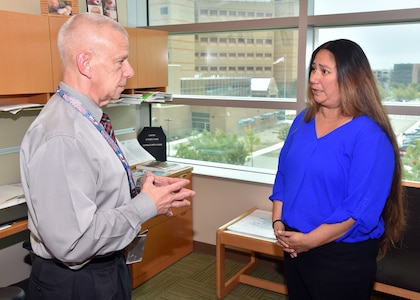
(360,96)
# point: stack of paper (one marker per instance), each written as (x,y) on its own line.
(15,108)
(128,99)
(257,224)
(134,152)
(11,194)
(154,96)
(161,166)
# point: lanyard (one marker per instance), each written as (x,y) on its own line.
(83,110)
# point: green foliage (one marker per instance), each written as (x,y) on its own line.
(411,162)
(282,132)
(251,140)
(402,92)
(383,92)
(217,147)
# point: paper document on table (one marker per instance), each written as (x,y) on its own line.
(134,152)
(10,192)
(257,224)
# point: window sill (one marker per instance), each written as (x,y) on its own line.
(227,171)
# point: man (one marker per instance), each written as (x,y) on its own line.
(76,182)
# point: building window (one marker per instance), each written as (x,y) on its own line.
(164,11)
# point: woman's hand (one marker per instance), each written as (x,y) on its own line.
(292,242)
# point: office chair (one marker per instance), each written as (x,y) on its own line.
(12,293)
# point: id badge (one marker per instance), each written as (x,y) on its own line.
(136,249)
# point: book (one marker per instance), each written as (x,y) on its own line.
(257,224)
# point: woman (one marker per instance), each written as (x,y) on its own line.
(337,198)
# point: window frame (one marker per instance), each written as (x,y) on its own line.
(305,24)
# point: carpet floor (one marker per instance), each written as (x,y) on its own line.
(194,278)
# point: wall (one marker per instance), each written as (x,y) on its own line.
(219,200)
(23,6)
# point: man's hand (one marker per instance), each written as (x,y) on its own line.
(166,192)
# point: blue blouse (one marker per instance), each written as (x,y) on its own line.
(344,174)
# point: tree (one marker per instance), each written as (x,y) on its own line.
(411,162)
(406,92)
(217,147)
(251,140)
(283,131)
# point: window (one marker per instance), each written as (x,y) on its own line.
(249,99)
(164,11)
(391,56)
(322,7)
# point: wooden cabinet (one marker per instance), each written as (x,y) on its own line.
(55,25)
(149,59)
(152,58)
(25,55)
(132,83)
(168,240)
(30,62)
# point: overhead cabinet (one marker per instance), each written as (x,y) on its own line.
(25,54)
(30,62)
